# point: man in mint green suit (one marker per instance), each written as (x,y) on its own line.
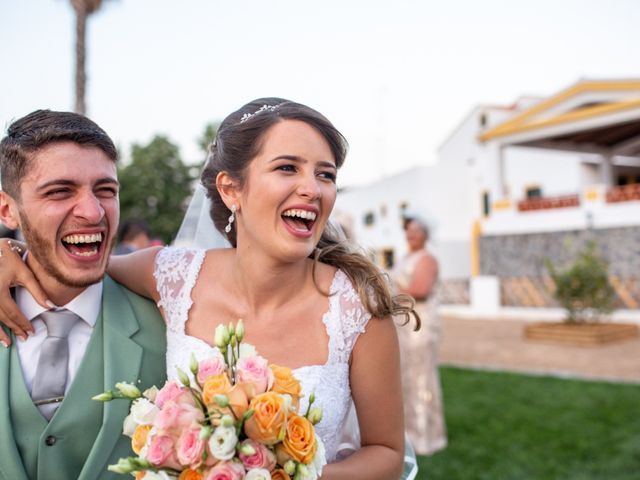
(59,186)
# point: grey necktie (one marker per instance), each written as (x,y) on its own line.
(51,373)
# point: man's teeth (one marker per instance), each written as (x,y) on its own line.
(305,214)
(91,252)
(93,238)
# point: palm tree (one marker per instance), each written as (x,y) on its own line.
(82,8)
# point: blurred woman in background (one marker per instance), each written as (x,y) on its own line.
(416,274)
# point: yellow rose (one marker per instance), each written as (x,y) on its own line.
(139,438)
(189,474)
(280,474)
(285,382)
(215,385)
(267,423)
(300,439)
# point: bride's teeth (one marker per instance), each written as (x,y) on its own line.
(305,214)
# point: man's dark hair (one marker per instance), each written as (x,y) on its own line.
(131,228)
(39,129)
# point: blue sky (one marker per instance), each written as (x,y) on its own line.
(395,76)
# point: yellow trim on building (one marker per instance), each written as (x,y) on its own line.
(476,232)
(522,122)
(504,204)
(591,195)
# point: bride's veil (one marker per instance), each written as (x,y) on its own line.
(197,229)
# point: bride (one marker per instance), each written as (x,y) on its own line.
(308,301)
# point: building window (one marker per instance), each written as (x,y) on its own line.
(533,191)
(486,204)
(627,180)
(387,258)
(369,219)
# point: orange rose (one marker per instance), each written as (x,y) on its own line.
(238,400)
(139,438)
(285,382)
(300,439)
(280,474)
(140,475)
(189,474)
(215,385)
(267,423)
(282,456)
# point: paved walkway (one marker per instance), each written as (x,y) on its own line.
(500,345)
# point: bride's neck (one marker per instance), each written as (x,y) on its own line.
(266,284)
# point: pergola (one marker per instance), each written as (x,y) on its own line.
(599,117)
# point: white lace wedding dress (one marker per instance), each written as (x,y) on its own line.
(176,273)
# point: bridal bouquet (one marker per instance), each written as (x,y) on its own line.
(235,417)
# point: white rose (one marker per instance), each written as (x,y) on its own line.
(247,350)
(160,475)
(320,458)
(222,442)
(258,474)
(307,472)
(142,412)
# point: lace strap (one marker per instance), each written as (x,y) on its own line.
(176,271)
(345,320)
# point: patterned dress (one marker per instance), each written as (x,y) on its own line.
(424,418)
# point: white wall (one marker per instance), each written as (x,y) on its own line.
(557,173)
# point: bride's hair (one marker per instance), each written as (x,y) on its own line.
(238,142)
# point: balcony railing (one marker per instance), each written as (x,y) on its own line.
(624,193)
(546,203)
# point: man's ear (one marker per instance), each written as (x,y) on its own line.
(228,189)
(9,211)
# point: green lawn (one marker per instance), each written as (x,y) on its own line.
(505,426)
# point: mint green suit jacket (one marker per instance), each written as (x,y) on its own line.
(128,344)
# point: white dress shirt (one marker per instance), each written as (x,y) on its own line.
(86,306)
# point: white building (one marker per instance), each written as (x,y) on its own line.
(510,181)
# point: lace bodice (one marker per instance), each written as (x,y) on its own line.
(176,272)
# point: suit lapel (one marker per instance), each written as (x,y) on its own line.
(11,466)
(122,361)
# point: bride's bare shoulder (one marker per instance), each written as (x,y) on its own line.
(324,275)
(217,257)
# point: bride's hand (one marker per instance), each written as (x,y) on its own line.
(13,271)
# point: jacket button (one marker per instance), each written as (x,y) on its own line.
(50,440)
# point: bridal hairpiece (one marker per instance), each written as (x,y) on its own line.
(263,108)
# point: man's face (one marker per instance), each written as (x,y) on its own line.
(68,213)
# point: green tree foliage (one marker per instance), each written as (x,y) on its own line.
(155,186)
(583,287)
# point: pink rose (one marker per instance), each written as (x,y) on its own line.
(176,415)
(262,458)
(169,392)
(255,370)
(226,471)
(191,447)
(209,368)
(161,452)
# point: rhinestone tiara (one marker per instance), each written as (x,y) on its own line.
(263,108)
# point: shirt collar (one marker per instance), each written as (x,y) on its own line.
(86,305)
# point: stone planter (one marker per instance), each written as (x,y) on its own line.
(581,334)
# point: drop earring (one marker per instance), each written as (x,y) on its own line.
(232,218)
